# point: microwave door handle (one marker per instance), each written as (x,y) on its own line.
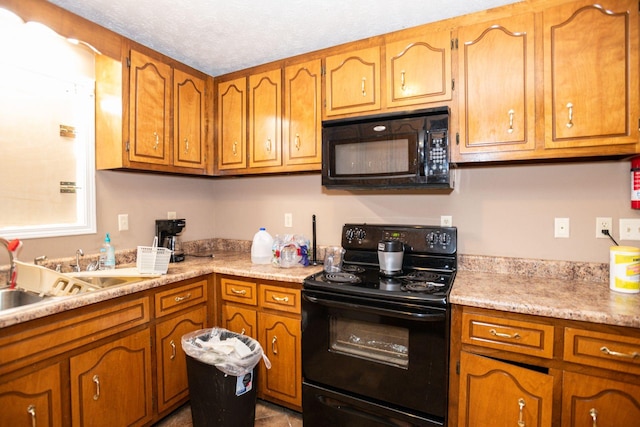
(425,316)
(422,153)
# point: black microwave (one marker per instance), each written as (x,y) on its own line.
(390,151)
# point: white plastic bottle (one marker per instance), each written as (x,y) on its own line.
(261,248)
(107,259)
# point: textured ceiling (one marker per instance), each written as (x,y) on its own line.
(220,36)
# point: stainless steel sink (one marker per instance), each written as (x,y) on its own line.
(107,281)
(13,298)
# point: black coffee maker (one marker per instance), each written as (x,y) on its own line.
(167,232)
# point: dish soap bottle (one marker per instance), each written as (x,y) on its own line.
(107,259)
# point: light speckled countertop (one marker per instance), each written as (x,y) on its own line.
(565,290)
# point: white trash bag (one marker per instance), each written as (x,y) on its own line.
(231,353)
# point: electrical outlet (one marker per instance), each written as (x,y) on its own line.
(123,222)
(629,229)
(603,223)
(171,215)
(446,221)
(288,220)
(561,228)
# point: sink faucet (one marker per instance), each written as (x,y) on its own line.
(12,247)
(76,267)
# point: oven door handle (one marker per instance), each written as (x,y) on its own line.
(423,314)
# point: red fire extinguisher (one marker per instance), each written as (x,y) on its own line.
(635,183)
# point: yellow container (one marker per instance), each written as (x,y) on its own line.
(624,269)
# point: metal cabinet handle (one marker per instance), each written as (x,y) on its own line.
(173,349)
(511,113)
(280,299)
(157,140)
(234,148)
(96,380)
(501,335)
(243,331)
(521,404)
(570,107)
(239,292)
(297,141)
(180,299)
(402,81)
(594,416)
(364,91)
(274,348)
(186,145)
(31,410)
(268,144)
(608,352)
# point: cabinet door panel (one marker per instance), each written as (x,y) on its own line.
(280,339)
(497,394)
(171,359)
(591,74)
(353,82)
(232,125)
(240,320)
(35,399)
(419,71)
(589,401)
(497,105)
(111,384)
(302,132)
(189,124)
(149,104)
(265,112)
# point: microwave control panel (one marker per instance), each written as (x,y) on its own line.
(437,153)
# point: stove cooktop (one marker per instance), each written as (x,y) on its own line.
(429,264)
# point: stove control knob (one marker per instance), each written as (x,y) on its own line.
(360,234)
(445,239)
(349,234)
(432,238)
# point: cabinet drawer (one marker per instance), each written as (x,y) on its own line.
(27,346)
(603,350)
(277,298)
(176,299)
(239,291)
(530,338)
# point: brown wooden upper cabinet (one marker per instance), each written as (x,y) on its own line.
(164,116)
(265,119)
(232,125)
(591,75)
(302,128)
(353,82)
(418,70)
(497,86)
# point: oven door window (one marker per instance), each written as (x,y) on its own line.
(386,157)
(375,342)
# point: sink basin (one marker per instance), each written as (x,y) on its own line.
(107,281)
(13,298)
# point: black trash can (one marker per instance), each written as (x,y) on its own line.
(219,399)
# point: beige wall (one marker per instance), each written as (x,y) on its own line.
(499,210)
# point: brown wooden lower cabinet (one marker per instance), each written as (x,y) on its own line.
(119,362)
(575,374)
(270,313)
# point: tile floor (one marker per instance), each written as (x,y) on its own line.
(267,415)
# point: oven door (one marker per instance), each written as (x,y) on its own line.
(395,354)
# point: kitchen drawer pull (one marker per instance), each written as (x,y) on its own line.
(297,141)
(180,299)
(511,113)
(279,299)
(268,145)
(570,107)
(173,349)
(364,90)
(521,405)
(402,81)
(239,292)
(31,410)
(234,148)
(96,380)
(608,352)
(186,145)
(157,140)
(594,416)
(274,348)
(495,333)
